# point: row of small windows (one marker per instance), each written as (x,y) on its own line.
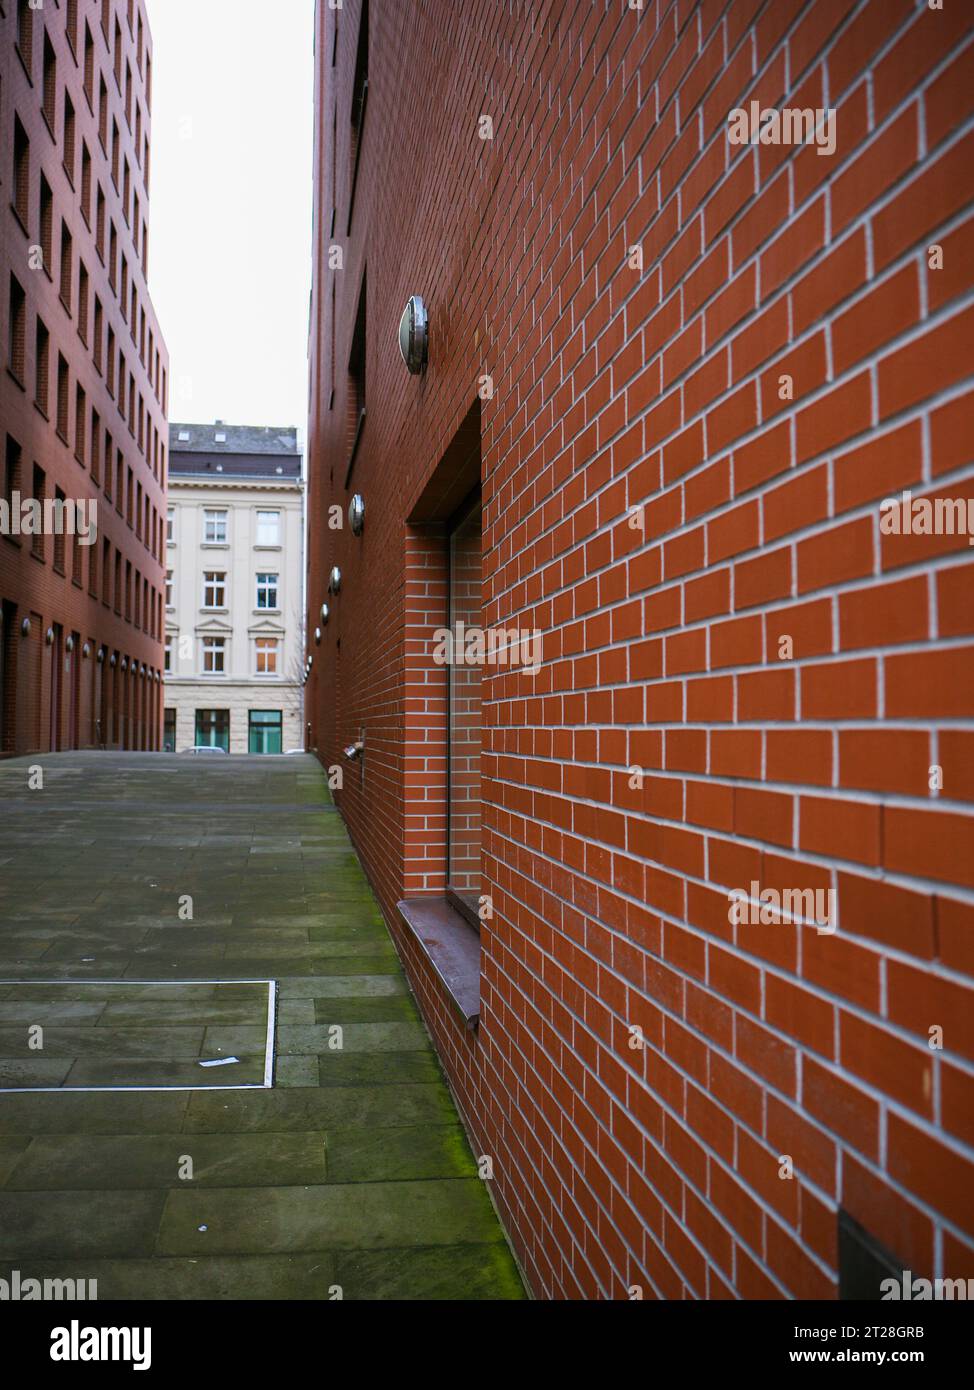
(109,573)
(93,443)
(214,655)
(112,31)
(216,527)
(120,278)
(216,588)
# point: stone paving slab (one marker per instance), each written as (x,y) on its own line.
(56,1162)
(353,1170)
(368,1215)
(244,1277)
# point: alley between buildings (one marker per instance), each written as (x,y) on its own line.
(150,908)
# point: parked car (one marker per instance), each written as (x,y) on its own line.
(206,748)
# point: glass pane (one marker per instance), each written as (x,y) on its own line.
(464,681)
(265,731)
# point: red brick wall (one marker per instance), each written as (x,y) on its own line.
(666,509)
(34,589)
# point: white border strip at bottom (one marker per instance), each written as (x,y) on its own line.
(266,1084)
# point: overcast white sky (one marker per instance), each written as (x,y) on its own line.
(230,205)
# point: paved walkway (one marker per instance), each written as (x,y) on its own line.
(351,1171)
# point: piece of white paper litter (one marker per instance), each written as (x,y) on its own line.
(220,1062)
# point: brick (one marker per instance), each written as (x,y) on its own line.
(889,309)
(845,1110)
(937,1173)
(834,279)
(937,359)
(897,1068)
(884,614)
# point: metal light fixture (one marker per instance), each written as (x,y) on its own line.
(356,514)
(25,628)
(325,614)
(414,335)
(317,636)
(86,651)
(69,645)
(355,750)
(49,636)
(125,663)
(335,580)
(100,658)
(114,660)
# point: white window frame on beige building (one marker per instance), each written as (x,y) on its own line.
(214,637)
(264,638)
(272,583)
(259,542)
(216,512)
(215,582)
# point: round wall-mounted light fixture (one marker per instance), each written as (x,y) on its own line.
(335,580)
(356,514)
(114,660)
(49,636)
(317,636)
(414,335)
(325,614)
(100,658)
(86,651)
(125,663)
(69,645)
(311,662)
(25,628)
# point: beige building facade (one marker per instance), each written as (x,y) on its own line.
(234,606)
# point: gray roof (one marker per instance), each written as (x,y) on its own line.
(272,466)
(240,439)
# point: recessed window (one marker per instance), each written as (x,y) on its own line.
(68,156)
(356,382)
(21,198)
(214,655)
(464,712)
(59,505)
(167,657)
(67,265)
(47,224)
(169,584)
(220,438)
(215,527)
(16,328)
(43,367)
(267,648)
(184,436)
(62,397)
(267,591)
(25,31)
(360,93)
(49,96)
(39,490)
(214,589)
(268,528)
(171,526)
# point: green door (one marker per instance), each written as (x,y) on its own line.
(213,728)
(265,731)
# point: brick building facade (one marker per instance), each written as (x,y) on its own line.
(84,381)
(682,375)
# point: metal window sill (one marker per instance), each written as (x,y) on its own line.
(452,947)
